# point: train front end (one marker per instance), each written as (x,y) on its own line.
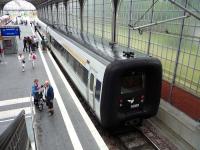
(131,90)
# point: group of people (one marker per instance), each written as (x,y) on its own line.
(47,92)
(23,22)
(30,43)
(19,21)
(22,60)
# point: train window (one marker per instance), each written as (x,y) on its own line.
(66,55)
(52,41)
(98,90)
(50,38)
(79,69)
(91,81)
(70,60)
(62,50)
(132,82)
(75,65)
(85,75)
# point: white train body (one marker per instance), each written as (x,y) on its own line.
(118,90)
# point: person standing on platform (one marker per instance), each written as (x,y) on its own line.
(29,41)
(2,55)
(35,41)
(25,44)
(19,34)
(35,27)
(35,91)
(49,96)
(21,59)
(32,58)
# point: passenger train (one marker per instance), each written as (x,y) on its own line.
(117,89)
(5,19)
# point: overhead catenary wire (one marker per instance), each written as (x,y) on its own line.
(193,7)
(152,5)
(185,9)
(159,22)
(189,13)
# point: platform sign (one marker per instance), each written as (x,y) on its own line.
(10,31)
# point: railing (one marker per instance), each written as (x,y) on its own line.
(15,137)
(33,120)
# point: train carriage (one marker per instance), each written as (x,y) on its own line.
(117,89)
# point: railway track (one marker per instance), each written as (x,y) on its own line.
(135,139)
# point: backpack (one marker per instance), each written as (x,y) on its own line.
(34,56)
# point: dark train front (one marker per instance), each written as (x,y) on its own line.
(131,91)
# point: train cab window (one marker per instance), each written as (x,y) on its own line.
(132,91)
(91,82)
(98,90)
(131,82)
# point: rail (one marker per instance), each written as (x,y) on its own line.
(133,138)
(16,135)
(148,139)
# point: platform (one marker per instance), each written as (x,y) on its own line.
(69,127)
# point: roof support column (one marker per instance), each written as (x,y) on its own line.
(42,12)
(1,9)
(115,4)
(81,2)
(45,13)
(66,18)
(57,23)
(52,22)
(39,11)
(48,13)
(177,55)
(150,32)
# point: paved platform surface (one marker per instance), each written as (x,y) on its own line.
(66,129)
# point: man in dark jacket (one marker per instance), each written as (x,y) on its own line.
(25,44)
(49,95)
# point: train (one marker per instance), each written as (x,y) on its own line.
(118,89)
(4,20)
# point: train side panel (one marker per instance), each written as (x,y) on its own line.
(118,91)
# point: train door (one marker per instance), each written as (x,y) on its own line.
(91,89)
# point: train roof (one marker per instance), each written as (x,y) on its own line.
(105,52)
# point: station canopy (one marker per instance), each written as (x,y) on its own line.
(18,5)
(34,2)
